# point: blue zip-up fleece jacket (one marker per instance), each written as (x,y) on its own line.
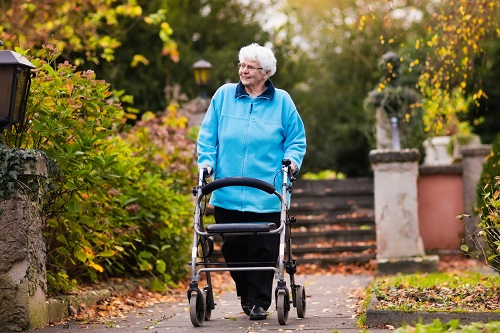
(243,136)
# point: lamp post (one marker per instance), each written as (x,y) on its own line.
(202,70)
(15,80)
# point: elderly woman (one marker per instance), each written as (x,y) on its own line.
(249,128)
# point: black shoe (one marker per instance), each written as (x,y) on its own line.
(258,313)
(247,308)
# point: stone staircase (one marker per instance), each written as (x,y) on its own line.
(334,222)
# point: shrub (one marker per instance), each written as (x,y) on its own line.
(121,202)
(488,210)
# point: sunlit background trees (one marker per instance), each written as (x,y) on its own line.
(327,54)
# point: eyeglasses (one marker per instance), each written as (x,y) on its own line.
(250,68)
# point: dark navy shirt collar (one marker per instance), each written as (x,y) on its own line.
(268,93)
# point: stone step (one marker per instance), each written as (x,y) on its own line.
(324,253)
(342,235)
(325,219)
(341,204)
(345,259)
(334,222)
(332,249)
(342,188)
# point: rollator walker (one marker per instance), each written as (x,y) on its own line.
(201,302)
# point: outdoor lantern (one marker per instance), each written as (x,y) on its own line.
(15,80)
(202,70)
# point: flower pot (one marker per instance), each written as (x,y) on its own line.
(436,151)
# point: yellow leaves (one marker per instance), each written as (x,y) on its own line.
(147,116)
(156,18)
(107,253)
(95,266)
(48,102)
(361,23)
(139,59)
(170,49)
(434,41)
(166,28)
(479,94)
(129,10)
(417,44)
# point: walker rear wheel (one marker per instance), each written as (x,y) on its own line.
(197,308)
(300,301)
(282,306)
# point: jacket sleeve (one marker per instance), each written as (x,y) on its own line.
(295,139)
(208,139)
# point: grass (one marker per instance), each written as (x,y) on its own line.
(452,326)
(452,291)
(441,291)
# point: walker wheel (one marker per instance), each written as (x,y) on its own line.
(300,301)
(282,306)
(208,309)
(197,309)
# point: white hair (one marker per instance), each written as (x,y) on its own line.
(262,54)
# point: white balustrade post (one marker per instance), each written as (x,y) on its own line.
(399,245)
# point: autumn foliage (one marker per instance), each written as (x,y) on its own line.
(88,28)
(121,200)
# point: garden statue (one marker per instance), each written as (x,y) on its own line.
(392,100)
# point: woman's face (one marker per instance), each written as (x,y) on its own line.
(251,73)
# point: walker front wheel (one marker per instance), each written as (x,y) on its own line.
(197,309)
(282,306)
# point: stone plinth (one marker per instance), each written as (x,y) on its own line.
(23,283)
(396,212)
(473,158)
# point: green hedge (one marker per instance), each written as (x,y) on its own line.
(121,199)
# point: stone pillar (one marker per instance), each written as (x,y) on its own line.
(23,283)
(399,245)
(473,157)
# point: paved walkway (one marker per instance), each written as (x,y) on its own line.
(331,307)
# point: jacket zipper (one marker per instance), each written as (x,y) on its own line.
(245,149)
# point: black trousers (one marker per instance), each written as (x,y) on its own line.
(254,287)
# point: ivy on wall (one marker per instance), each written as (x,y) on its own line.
(16,164)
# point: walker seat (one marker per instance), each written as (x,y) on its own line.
(243,227)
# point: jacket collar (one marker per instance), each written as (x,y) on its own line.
(268,93)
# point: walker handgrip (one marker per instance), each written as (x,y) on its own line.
(237,181)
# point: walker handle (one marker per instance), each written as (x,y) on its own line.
(238,181)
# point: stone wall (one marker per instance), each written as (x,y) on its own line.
(23,283)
